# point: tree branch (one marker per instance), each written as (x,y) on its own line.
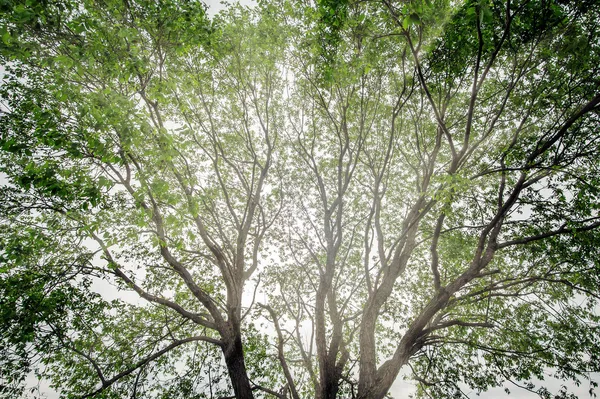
(106,384)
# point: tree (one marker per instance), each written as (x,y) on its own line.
(138,139)
(411,186)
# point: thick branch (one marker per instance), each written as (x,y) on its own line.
(562,230)
(106,384)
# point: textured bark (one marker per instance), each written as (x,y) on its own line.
(233,352)
(331,383)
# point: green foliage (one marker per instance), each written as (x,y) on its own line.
(45,293)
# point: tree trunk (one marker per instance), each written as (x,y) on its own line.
(331,383)
(236,367)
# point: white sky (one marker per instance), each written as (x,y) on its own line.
(214,6)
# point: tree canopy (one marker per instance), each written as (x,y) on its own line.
(299,199)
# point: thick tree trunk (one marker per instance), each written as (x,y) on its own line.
(367,360)
(331,383)
(371,380)
(234,359)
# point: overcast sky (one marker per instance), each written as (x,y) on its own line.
(214,6)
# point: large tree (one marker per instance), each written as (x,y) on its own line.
(149,150)
(381,186)
(449,214)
